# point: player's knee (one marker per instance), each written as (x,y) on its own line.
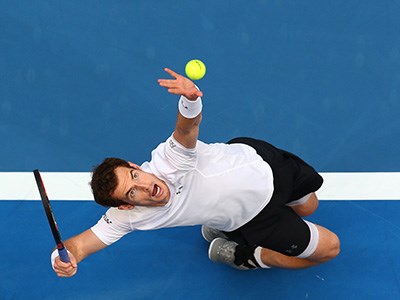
(307,210)
(314,203)
(335,246)
(308,207)
(328,246)
(332,249)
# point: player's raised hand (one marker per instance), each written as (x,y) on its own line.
(180,85)
(63,269)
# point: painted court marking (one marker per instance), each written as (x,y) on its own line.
(75,186)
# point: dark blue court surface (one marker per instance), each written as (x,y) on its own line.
(78,82)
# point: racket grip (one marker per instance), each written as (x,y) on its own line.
(64,255)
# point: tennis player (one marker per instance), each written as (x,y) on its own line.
(249,196)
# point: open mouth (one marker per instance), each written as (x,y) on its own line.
(156,191)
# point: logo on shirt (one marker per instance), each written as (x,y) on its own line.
(106,219)
(171,144)
(179,190)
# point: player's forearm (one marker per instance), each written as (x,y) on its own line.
(188,126)
(188,121)
(187,130)
(73,248)
(84,244)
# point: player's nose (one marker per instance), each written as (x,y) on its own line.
(142,185)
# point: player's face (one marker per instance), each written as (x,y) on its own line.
(136,187)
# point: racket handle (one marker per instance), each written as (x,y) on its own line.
(64,255)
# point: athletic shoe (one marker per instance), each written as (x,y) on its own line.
(224,251)
(209,234)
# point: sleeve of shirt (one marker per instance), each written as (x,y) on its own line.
(179,156)
(112,226)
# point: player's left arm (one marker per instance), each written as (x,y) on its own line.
(187,128)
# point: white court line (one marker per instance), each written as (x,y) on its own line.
(75,186)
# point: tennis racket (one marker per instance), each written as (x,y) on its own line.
(50,217)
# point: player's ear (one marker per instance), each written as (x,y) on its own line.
(135,166)
(126,206)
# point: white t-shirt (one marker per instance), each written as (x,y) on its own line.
(219,185)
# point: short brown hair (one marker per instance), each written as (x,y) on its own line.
(104,181)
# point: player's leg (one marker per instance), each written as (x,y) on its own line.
(306,205)
(296,243)
(305,182)
(293,244)
(328,247)
(252,257)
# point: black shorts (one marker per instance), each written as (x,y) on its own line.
(277,226)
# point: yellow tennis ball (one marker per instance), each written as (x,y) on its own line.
(195,69)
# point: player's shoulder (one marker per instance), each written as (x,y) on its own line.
(116,216)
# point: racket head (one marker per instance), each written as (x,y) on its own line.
(50,217)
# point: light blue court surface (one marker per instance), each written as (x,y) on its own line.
(78,82)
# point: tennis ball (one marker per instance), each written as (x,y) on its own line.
(195,69)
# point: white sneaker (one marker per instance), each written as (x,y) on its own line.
(209,234)
(223,251)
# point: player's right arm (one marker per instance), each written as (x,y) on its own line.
(187,128)
(79,247)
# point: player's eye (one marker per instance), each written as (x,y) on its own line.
(135,175)
(132,193)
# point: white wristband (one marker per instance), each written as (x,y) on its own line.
(53,257)
(54,254)
(190,109)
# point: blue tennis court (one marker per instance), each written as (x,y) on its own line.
(78,82)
